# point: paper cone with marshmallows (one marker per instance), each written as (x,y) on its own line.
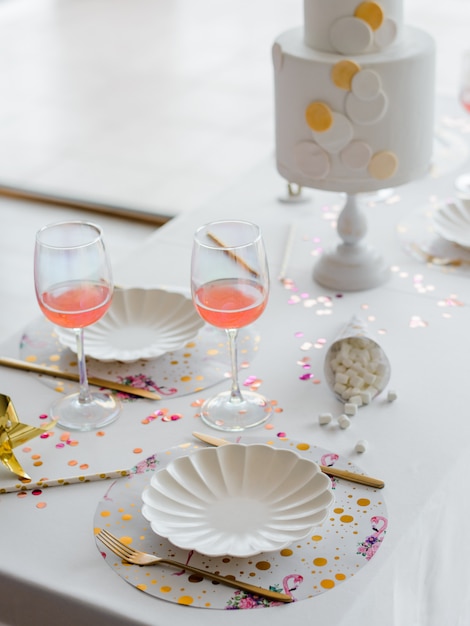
(356,367)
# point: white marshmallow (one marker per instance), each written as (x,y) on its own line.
(350,409)
(361,446)
(356,399)
(341,378)
(344,421)
(324,418)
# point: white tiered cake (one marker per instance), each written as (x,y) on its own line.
(354,94)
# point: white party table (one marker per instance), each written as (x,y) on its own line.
(51,570)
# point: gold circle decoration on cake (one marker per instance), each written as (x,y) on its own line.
(370,12)
(343,73)
(383,165)
(319,116)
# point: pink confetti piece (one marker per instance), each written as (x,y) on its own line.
(249,380)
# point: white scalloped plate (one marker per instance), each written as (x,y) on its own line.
(237,500)
(452,222)
(140,324)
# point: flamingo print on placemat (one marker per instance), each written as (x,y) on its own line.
(372,543)
(329,460)
(243,600)
(148,464)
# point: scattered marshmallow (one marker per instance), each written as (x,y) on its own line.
(361,446)
(350,409)
(324,418)
(391,395)
(344,421)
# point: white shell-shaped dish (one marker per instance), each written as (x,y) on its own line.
(237,500)
(452,222)
(140,324)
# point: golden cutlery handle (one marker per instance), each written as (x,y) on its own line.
(97,382)
(232,582)
(351,476)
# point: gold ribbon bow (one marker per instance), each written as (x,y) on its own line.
(13,433)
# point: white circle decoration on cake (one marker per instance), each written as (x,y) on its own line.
(366,111)
(277,57)
(356,155)
(386,34)
(351,35)
(383,165)
(337,136)
(366,84)
(344,72)
(312,160)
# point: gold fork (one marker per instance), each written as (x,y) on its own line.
(136,557)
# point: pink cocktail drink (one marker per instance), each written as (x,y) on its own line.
(230,303)
(74,305)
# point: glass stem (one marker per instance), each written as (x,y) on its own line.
(84,394)
(235,393)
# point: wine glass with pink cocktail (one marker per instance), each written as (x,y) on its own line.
(74,288)
(230,286)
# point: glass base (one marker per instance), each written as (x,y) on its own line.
(221,413)
(74,415)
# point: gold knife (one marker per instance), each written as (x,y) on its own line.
(97,382)
(331,471)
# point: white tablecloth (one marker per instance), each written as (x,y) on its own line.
(51,571)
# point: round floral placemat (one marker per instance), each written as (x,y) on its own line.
(335,551)
(201,364)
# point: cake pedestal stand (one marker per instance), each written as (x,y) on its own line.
(353,265)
